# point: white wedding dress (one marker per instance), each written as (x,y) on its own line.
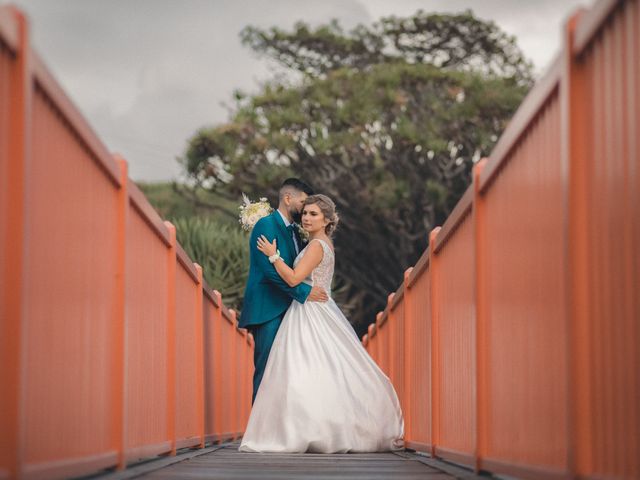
(321,391)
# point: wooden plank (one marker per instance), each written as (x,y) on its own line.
(228,463)
(149,465)
(225,462)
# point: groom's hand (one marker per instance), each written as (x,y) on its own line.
(317,294)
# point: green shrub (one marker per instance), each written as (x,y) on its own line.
(169,203)
(223,252)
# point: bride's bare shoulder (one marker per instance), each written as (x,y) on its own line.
(320,242)
(315,247)
(328,243)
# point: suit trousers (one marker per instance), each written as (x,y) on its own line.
(263,335)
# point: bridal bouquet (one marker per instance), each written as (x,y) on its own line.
(251,212)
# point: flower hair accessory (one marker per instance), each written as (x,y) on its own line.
(251,212)
(304,235)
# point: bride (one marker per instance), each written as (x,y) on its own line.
(321,391)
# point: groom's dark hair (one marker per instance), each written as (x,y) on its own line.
(295,184)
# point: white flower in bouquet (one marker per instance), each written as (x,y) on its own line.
(251,212)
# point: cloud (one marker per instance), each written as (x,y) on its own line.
(148,73)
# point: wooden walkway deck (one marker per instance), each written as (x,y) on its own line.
(225,462)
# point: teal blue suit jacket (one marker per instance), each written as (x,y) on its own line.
(267,295)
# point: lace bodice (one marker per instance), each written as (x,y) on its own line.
(322,275)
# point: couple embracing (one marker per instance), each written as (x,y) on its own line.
(315,387)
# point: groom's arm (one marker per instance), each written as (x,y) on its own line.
(299,292)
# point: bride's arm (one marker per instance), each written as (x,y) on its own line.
(293,276)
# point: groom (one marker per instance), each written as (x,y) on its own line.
(267,297)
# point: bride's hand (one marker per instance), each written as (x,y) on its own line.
(266,247)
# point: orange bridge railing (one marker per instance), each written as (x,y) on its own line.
(514,343)
(112,348)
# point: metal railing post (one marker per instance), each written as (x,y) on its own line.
(435,340)
(12,276)
(171,337)
(481,299)
(199,346)
(118,387)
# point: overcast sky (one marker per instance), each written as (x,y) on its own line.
(148,73)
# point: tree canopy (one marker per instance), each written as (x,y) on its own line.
(449,41)
(387,120)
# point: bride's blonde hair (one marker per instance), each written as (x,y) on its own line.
(328,209)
